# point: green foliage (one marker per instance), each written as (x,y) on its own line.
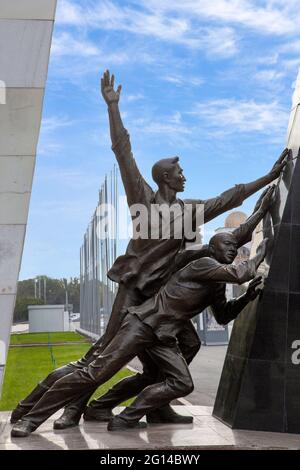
(27,366)
(43,287)
(21,308)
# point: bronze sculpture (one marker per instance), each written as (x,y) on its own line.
(145,267)
(154,326)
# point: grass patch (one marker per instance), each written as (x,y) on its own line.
(27,366)
(34,338)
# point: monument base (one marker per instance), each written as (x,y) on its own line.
(205,433)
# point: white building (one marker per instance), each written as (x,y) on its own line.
(48,318)
(25,38)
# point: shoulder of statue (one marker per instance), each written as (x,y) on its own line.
(207,261)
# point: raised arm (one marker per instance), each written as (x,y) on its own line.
(133,181)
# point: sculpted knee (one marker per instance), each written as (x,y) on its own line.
(187,386)
(56,375)
(145,379)
(192,351)
(182,387)
(195,347)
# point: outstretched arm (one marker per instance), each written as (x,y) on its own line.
(209,269)
(185,257)
(133,181)
(243,233)
(234,197)
(225,311)
(251,188)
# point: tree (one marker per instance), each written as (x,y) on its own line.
(35,291)
(21,308)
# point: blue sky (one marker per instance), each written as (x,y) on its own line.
(210,81)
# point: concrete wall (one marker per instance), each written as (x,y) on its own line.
(48,318)
(25,38)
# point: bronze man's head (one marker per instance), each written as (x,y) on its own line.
(223,247)
(168,172)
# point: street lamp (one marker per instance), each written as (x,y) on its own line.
(35,287)
(67,297)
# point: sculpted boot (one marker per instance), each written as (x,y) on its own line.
(166,414)
(28,403)
(103,415)
(22,428)
(120,424)
(69,418)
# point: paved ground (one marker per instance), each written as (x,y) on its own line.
(24,327)
(205,433)
(20,328)
(206,372)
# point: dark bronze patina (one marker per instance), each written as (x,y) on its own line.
(146,266)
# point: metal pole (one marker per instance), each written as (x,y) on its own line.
(67,297)
(96,257)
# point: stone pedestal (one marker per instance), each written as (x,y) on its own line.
(260,382)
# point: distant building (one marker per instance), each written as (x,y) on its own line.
(233,221)
(48,318)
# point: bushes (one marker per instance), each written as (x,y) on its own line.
(21,308)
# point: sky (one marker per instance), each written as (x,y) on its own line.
(208,81)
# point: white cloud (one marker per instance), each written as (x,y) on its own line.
(180,80)
(165,129)
(70,178)
(271,59)
(264,17)
(176,118)
(70,13)
(52,123)
(48,147)
(107,15)
(291,64)
(270,75)
(230,116)
(133,98)
(292,47)
(171,126)
(168,19)
(48,144)
(66,44)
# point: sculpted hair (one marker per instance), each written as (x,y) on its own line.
(158,169)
